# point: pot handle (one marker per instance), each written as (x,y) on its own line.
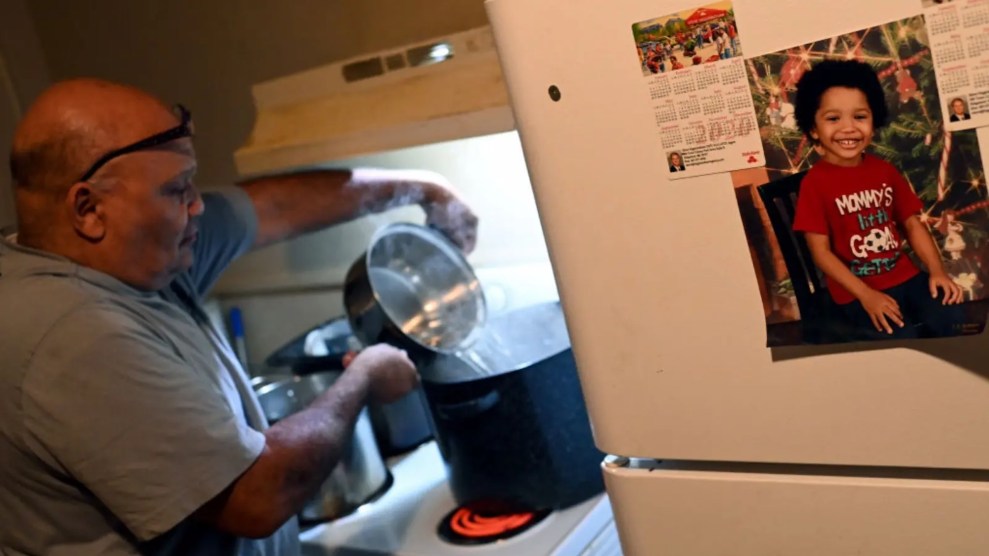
(468,409)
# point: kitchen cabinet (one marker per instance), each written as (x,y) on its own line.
(23,75)
(8,120)
(6,193)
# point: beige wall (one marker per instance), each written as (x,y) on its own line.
(206,54)
(22,75)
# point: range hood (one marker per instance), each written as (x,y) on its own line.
(439,90)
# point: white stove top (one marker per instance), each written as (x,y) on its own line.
(404,522)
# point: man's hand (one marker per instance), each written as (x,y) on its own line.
(447,213)
(882,309)
(390,372)
(952,291)
(454,220)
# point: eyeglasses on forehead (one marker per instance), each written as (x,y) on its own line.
(184,129)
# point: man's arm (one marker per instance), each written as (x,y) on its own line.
(301,450)
(291,205)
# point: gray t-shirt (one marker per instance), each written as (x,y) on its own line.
(119,408)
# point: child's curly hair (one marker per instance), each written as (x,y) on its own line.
(838,73)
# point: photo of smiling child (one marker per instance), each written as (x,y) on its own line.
(853,207)
(870,220)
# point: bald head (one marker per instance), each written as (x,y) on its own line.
(134,218)
(72,124)
(68,128)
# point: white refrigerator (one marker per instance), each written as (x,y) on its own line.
(722,446)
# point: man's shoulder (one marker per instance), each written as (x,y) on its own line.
(34,309)
(37,298)
(56,308)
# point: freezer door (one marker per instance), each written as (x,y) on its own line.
(656,278)
(712,513)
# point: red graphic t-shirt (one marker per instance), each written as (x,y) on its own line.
(860,209)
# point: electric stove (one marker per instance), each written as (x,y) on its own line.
(418,516)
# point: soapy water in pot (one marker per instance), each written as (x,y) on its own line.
(517,339)
(506,342)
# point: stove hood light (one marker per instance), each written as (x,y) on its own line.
(429,54)
(441,52)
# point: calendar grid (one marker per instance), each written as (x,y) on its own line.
(698,99)
(959,38)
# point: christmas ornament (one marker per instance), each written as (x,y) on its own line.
(942,173)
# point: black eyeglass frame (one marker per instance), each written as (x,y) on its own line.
(177,132)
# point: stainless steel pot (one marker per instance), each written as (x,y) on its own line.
(361,475)
(261,381)
(413,288)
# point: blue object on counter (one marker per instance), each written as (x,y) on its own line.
(237,326)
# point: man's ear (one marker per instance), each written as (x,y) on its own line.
(86,211)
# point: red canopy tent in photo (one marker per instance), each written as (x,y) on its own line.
(703,15)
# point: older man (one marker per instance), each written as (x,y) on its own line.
(126,425)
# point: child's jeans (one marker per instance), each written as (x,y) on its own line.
(923,316)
